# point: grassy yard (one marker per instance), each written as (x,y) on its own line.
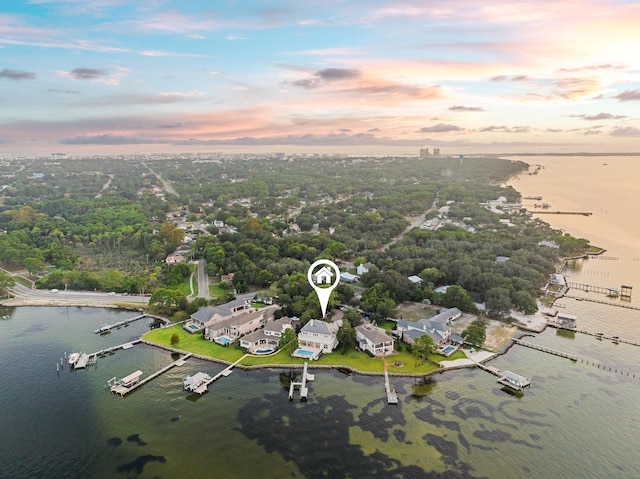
(195,343)
(192,343)
(215,290)
(410,364)
(386,325)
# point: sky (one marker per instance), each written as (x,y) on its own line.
(368,77)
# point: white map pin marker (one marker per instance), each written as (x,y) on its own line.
(324,281)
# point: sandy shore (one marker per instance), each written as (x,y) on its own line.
(70,302)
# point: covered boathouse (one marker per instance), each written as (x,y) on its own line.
(514,381)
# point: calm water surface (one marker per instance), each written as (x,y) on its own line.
(578,420)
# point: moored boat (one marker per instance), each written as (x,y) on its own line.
(73,358)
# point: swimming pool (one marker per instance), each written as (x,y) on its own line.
(304,352)
(223,340)
(264,351)
(449,349)
(193,327)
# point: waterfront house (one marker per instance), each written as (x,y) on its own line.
(319,336)
(436,327)
(373,339)
(227,329)
(198,319)
(266,340)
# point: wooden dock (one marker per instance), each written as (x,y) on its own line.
(555,352)
(304,390)
(600,301)
(122,390)
(392,396)
(82,361)
(125,322)
(128,345)
(203,388)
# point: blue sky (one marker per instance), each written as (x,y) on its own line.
(360,77)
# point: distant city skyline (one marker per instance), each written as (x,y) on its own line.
(354,77)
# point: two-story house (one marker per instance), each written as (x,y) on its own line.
(264,341)
(374,339)
(318,336)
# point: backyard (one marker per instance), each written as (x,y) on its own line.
(195,343)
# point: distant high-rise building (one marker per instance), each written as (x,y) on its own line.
(436,152)
(424,153)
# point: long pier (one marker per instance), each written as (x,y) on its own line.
(392,396)
(599,301)
(583,213)
(124,390)
(594,289)
(562,354)
(304,390)
(125,322)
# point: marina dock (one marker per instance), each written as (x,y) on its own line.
(131,382)
(304,390)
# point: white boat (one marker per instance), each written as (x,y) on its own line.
(73,358)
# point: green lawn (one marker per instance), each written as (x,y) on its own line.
(216,291)
(387,325)
(195,343)
(192,343)
(410,364)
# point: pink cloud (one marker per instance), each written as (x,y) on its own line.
(628,95)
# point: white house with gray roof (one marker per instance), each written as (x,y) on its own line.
(373,339)
(198,319)
(319,336)
(266,340)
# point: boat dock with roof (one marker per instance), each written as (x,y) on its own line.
(199,382)
(514,381)
(131,382)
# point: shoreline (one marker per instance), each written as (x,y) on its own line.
(351,369)
(20,301)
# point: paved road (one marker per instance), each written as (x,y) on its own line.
(203,280)
(168,188)
(417,222)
